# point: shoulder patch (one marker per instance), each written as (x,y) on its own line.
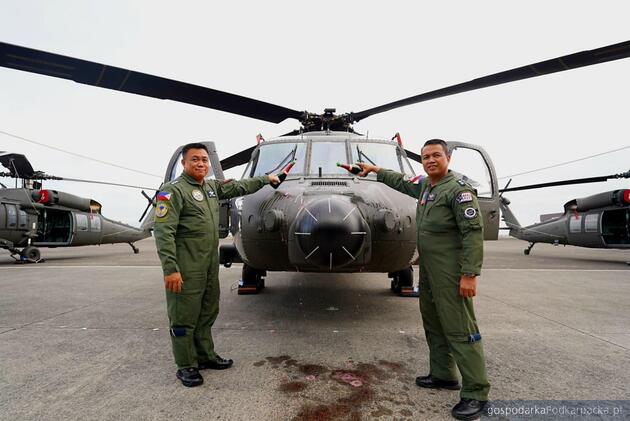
(161,210)
(470,213)
(464,197)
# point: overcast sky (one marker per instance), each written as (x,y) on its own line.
(344,54)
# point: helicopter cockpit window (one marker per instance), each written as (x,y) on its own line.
(273,157)
(471,164)
(383,155)
(178,169)
(325,155)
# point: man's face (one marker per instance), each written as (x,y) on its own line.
(196,164)
(435,160)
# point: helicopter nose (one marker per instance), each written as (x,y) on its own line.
(331,232)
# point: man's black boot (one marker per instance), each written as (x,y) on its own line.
(218,364)
(190,377)
(431,382)
(468,409)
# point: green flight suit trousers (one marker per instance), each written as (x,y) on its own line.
(194,310)
(449,321)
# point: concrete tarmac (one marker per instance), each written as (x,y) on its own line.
(84,336)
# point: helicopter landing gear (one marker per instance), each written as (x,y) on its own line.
(402,283)
(528,249)
(252,280)
(30,254)
(135,249)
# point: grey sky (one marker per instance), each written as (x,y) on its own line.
(349,55)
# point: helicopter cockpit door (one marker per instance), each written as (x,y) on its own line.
(175,169)
(475,164)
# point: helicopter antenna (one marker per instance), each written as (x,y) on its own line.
(566,162)
(75,154)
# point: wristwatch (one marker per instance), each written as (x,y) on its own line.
(469,275)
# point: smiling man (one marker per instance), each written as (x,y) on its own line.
(186,235)
(450,244)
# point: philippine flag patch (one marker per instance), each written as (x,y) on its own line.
(163,196)
(415,180)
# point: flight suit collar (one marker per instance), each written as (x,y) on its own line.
(192,181)
(448,177)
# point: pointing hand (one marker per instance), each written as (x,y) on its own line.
(367,168)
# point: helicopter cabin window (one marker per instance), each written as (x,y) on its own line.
(471,164)
(325,155)
(591,222)
(95,223)
(22,219)
(11,216)
(384,155)
(575,224)
(82,222)
(273,157)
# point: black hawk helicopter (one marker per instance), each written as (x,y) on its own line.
(601,220)
(322,219)
(32,217)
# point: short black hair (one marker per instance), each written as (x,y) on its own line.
(436,142)
(190,146)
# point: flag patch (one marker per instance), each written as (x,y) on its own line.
(464,197)
(163,196)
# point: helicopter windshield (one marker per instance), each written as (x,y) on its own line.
(274,156)
(325,155)
(384,155)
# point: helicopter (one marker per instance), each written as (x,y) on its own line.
(601,220)
(321,219)
(32,217)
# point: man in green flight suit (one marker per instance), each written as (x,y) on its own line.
(450,244)
(186,235)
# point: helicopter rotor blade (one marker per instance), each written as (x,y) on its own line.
(17,164)
(150,200)
(237,159)
(78,180)
(567,182)
(413,156)
(119,79)
(559,64)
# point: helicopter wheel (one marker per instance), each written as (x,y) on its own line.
(252,281)
(402,283)
(31,254)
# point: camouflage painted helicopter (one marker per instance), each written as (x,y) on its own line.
(32,217)
(322,219)
(601,220)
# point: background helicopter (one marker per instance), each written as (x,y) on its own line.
(597,221)
(32,217)
(277,233)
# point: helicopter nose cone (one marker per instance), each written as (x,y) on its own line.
(331,232)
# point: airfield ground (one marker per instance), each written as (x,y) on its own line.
(84,336)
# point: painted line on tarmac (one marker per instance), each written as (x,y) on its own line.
(158,266)
(83,267)
(555,270)
(575,329)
